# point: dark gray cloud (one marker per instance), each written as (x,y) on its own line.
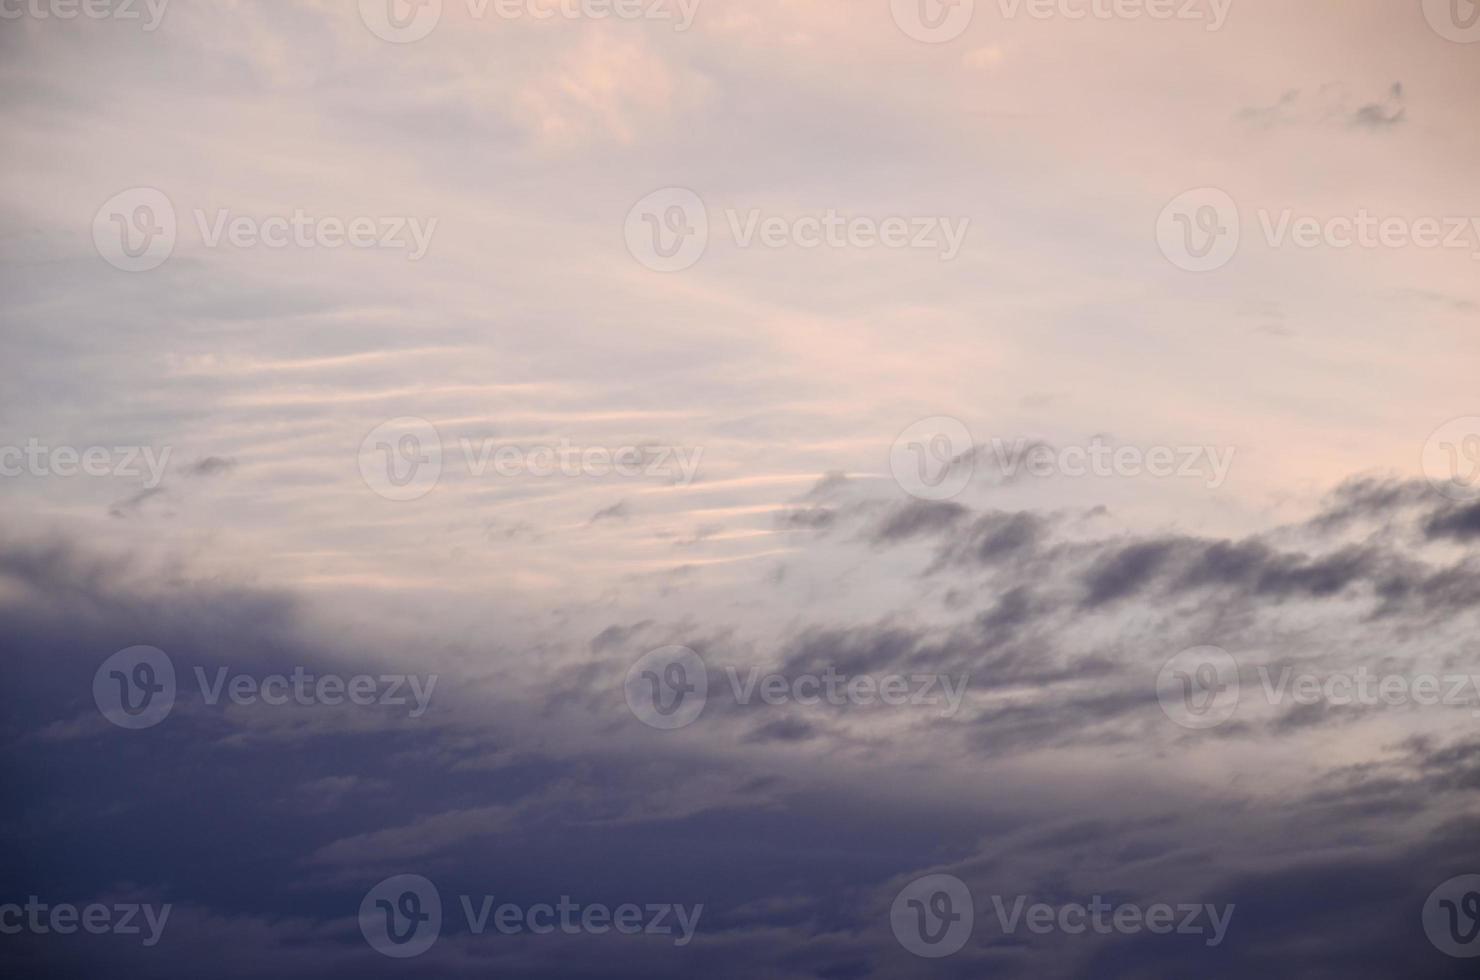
(531,778)
(1458,523)
(918,517)
(617,636)
(783,730)
(498,800)
(131,506)
(618,511)
(211,466)
(1125,571)
(1392,519)
(808,519)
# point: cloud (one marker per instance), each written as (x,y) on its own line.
(211,466)
(783,730)
(1457,523)
(918,517)
(1382,115)
(1049,680)
(134,505)
(618,511)
(1327,104)
(1053,601)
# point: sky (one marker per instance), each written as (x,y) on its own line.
(881,488)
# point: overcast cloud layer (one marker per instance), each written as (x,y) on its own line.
(846,488)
